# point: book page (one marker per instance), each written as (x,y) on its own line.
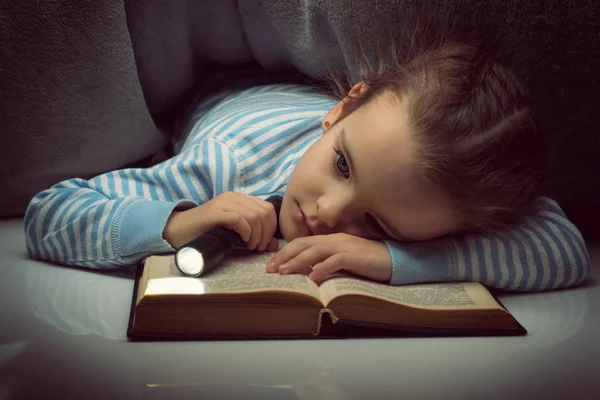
(463,295)
(242,272)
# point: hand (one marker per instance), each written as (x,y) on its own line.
(252,218)
(330,253)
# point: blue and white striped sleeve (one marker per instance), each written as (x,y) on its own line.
(118,218)
(545,252)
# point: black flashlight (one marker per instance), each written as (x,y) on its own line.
(213,246)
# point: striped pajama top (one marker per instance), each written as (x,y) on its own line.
(249,141)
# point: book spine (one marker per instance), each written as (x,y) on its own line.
(332,316)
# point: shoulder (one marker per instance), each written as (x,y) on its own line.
(547,204)
(258,103)
(234,117)
(255,117)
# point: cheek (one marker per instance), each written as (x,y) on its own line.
(303,174)
(430,224)
(316,156)
(287,226)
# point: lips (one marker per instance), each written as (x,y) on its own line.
(301,221)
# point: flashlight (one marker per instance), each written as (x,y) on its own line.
(213,246)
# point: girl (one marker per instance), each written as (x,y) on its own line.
(426,172)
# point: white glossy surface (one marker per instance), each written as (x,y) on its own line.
(62,336)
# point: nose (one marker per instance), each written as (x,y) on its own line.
(334,210)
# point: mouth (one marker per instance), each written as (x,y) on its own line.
(300,218)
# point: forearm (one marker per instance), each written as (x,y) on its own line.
(421,262)
(545,252)
(119,217)
(77,226)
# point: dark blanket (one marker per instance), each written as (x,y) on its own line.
(84,84)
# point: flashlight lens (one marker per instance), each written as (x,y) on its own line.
(189,261)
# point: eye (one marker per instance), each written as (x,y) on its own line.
(339,163)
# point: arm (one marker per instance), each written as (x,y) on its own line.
(545,252)
(118,218)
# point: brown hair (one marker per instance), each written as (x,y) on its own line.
(476,138)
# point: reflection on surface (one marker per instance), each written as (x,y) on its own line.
(321,386)
(225,392)
(81,302)
(38,361)
(9,352)
(551,317)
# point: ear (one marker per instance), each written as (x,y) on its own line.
(334,114)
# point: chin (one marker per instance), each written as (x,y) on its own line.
(287,226)
(289,229)
(287,238)
(287,235)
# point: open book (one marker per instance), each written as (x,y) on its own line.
(239,299)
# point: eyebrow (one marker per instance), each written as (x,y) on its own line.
(380,220)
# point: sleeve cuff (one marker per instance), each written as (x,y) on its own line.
(422,262)
(140,231)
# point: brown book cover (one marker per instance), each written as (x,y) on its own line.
(239,300)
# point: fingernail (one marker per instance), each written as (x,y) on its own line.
(270,265)
(283,266)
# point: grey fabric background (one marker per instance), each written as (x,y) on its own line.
(84,84)
(70,100)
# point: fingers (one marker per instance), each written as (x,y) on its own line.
(288,252)
(273,245)
(304,271)
(307,258)
(239,224)
(302,253)
(252,218)
(323,256)
(268,219)
(263,220)
(316,263)
(253,214)
(325,268)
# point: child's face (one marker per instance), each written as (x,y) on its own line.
(361,178)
